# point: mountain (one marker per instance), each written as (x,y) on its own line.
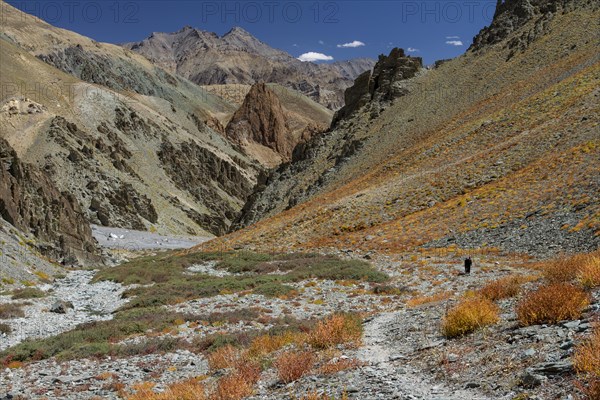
(267,130)
(30,201)
(493,148)
(127,139)
(239,58)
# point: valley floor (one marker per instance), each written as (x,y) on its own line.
(403,354)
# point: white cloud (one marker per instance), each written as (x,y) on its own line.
(412,50)
(294,45)
(454,42)
(312,56)
(321,42)
(355,43)
(452,37)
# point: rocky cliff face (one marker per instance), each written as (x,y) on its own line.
(380,86)
(30,201)
(239,58)
(261,120)
(512,15)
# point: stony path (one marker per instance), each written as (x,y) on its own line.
(91,302)
(388,376)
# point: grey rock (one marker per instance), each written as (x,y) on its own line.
(531,380)
(61,307)
(554,367)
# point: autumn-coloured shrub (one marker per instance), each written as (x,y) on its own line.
(567,269)
(587,355)
(551,304)
(502,288)
(266,344)
(341,364)
(336,329)
(292,365)
(468,316)
(588,275)
(589,388)
(420,300)
(224,357)
(186,390)
(232,387)
(323,396)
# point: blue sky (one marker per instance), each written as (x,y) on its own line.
(338,30)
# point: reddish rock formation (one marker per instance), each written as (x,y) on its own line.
(261,120)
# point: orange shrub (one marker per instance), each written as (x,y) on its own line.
(587,355)
(323,396)
(566,269)
(224,357)
(468,316)
(588,275)
(232,387)
(420,300)
(185,390)
(551,304)
(590,389)
(341,364)
(336,329)
(292,365)
(502,288)
(266,344)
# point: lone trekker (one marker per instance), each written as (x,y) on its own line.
(468,263)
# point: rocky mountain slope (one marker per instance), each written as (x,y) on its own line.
(127,139)
(30,201)
(239,58)
(493,148)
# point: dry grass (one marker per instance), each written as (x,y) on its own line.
(232,387)
(186,390)
(551,304)
(323,396)
(342,364)
(11,310)
(238,384)
(587,355)
(292,365)
(502,288)
(590,389)
(588,275)
(434,298)
(468,316)
(582,267)
(224,357)
(266,344)
(337,329)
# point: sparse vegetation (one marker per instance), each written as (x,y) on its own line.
(587,355)
(336,329)
(292,365)
(172,286)
(468,316)
(502,288)
(551,304)
(11,310)
(5,328)
(28,293)
(420,300)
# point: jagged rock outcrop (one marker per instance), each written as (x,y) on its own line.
(382,85)
(30,201)
(511,15)
(204,175)
(238,57)
(261,120)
